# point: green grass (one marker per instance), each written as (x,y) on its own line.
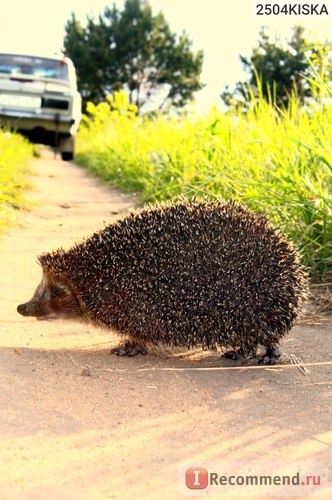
(15,152)
(278,162)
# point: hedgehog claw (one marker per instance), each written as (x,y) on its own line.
(129,349)
(270,357)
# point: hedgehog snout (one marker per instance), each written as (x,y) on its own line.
(32,308)
(23,309)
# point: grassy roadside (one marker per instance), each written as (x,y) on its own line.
(15,152)
(277,162)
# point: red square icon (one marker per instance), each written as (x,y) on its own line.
(197,478)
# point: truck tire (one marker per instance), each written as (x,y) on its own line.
(67,155)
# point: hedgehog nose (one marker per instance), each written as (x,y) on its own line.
(22,309)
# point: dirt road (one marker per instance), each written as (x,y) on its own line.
(78,423)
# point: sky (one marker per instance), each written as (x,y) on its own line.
(223,29)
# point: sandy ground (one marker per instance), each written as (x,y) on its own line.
(79,423)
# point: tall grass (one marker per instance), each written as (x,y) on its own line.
(271,160)
(15,152)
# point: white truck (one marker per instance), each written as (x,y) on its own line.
(39,98)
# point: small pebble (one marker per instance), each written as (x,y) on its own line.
(86,372)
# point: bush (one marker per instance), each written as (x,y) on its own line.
(15,153)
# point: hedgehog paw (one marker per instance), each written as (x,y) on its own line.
(233,355)
(238,354)
(270,357)
(129,349)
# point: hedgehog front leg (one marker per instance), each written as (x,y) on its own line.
(129,348)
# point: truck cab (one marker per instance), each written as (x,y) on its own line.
(39,98)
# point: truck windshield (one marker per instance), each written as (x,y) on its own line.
(37,67)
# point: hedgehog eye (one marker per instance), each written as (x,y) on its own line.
(57,292)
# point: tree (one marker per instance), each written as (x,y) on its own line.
(280,70)
(136,51)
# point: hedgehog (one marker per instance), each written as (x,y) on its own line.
(199,273)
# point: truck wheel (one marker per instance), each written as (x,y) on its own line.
(67,147)
(67,155)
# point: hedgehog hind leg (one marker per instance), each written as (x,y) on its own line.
(129,348)
(270,357)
